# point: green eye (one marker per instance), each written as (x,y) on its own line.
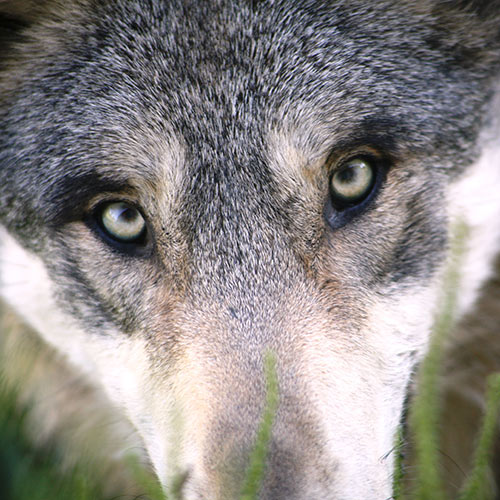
(352,182)
(122,222)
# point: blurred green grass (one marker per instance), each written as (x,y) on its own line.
(425,411)
(27,473)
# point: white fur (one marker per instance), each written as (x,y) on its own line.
(475,200)
(27,288)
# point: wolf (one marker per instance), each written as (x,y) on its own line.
(187,186)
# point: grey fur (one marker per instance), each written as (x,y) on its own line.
(173,105)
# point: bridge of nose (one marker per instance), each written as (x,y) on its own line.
(294,460)
(250,291)
(297,448)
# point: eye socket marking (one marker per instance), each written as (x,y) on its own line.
(352,185)
(121,224)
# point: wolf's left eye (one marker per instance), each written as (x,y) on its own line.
(354,184)
(351,183)
(122,222)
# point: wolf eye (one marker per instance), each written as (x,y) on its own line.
(122,222)
(352,183)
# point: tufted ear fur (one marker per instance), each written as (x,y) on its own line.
(472,23)
(15,17)
(22,11)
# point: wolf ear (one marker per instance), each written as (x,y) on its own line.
(18,14)
(476,15)
(468,30)
(15,16)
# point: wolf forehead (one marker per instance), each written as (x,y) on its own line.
(241,65)
(216,86)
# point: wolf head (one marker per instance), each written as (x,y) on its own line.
(185,186)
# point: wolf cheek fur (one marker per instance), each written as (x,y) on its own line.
(218,130)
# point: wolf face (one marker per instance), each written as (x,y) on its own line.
(185,186)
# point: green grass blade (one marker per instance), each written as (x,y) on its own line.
(477,484)
(256,469)
(145,479)
(424,415)
(397,480)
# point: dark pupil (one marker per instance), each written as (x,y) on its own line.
(347,174)
(128,215)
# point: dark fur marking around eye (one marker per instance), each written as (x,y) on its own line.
(70,195)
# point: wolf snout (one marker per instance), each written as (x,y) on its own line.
(326,428)
(246,447)
(287,474)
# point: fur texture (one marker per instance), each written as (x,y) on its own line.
(223,125)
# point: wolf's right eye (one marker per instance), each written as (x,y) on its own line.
(121,222)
